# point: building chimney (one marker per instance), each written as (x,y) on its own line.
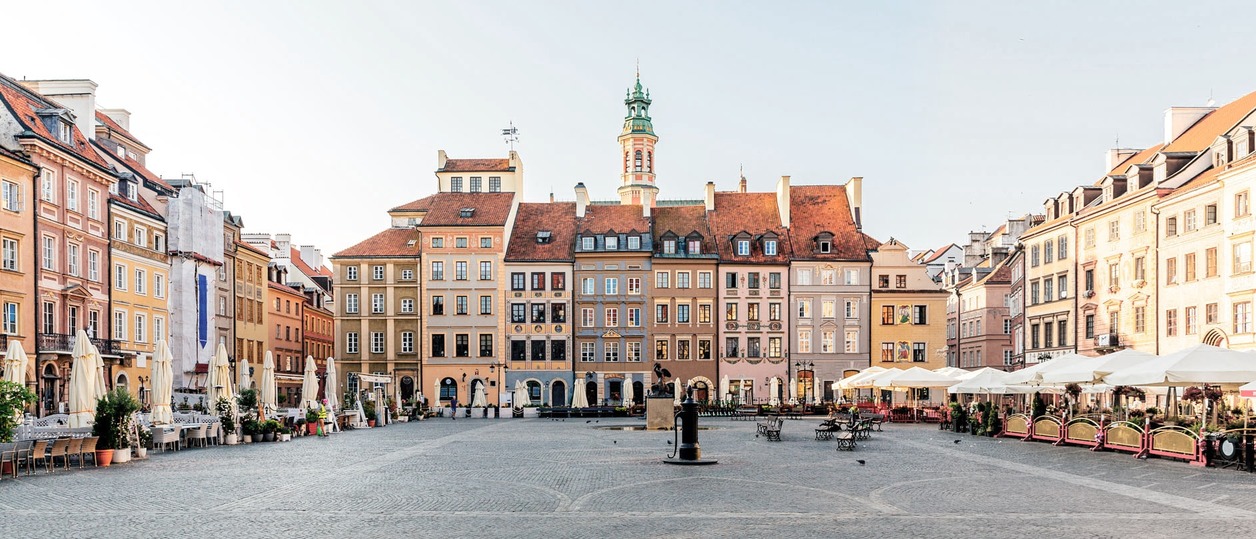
(1117,156)
(582,199)
(283,244)
(122,117)
(307,255)
(78,95)
(710,196)
(645,210)
(782,200)
(440,159)
(551,197)
(1178,119)
(854,193)
(741,185)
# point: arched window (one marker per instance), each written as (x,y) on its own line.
(534,391)
(649,161)
(632,111)
(637,162)
(448,389)
(122,381)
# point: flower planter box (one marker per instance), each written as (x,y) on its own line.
(122,455)
(531,412)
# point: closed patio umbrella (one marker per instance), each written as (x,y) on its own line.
(309,384)
(627,400)
(163,385)
(793,390)
(101,386)
(221,375)
(521,395)
(478,400)
(774,390)
(578,397)
(678,390)
(15,363)
(83,377)
(331,387)
(270,393)
(246,379)
(724,388)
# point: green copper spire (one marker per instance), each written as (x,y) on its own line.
(638,104)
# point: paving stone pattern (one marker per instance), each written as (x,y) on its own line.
(494,478)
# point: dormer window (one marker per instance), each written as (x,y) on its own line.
(121,152)
(543,236)
(634,243)
(65,132)
(586,244)
(769,247)
(466,213)
(455,185)
(743,247)
(612,243)
(669,247)
(826,246)
(695,247)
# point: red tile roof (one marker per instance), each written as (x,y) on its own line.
(1200,136)
(393,242)
(444,209)
(825,208)
(295,256)
(477,165)
(754,213)
(284,288)
(599,218)
(25,104)
(243,245)
(936,254)
(139,204)
(559,218)
(682,221)
(1202,179)
(109,147)
(113,126)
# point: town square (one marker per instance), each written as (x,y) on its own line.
(573,269)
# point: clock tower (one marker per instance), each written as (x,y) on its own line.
(636,143)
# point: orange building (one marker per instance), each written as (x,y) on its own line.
(285,306)
(17,273)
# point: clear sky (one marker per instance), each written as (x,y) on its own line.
(315,117)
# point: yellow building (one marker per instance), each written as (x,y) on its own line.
(909,310)
(138,295)
(250,305)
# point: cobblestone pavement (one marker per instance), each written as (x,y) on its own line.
(542,478)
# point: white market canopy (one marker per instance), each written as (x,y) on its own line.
(1034,375)
(849,381)
(991,381)
(1198,364)
(1093,369)
(1248,390)
(881,379)
(917,377)
(954,372)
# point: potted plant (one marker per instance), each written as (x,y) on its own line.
(311,420)
(269,428)
(113,417)
(13,401)
(368,408)
(300,423)
(251,429)
(285,434)
(247,400)
(281,399)
(145,440)
(226,418)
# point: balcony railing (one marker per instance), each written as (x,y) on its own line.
(1107,341)
(60,342)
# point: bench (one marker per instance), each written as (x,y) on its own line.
(772,429)
(876,420)
(827,429)
(862,430)
(845,441)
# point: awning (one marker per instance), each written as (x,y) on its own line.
(374,378)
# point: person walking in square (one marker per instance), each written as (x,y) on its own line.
(322,418)
(453,406)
